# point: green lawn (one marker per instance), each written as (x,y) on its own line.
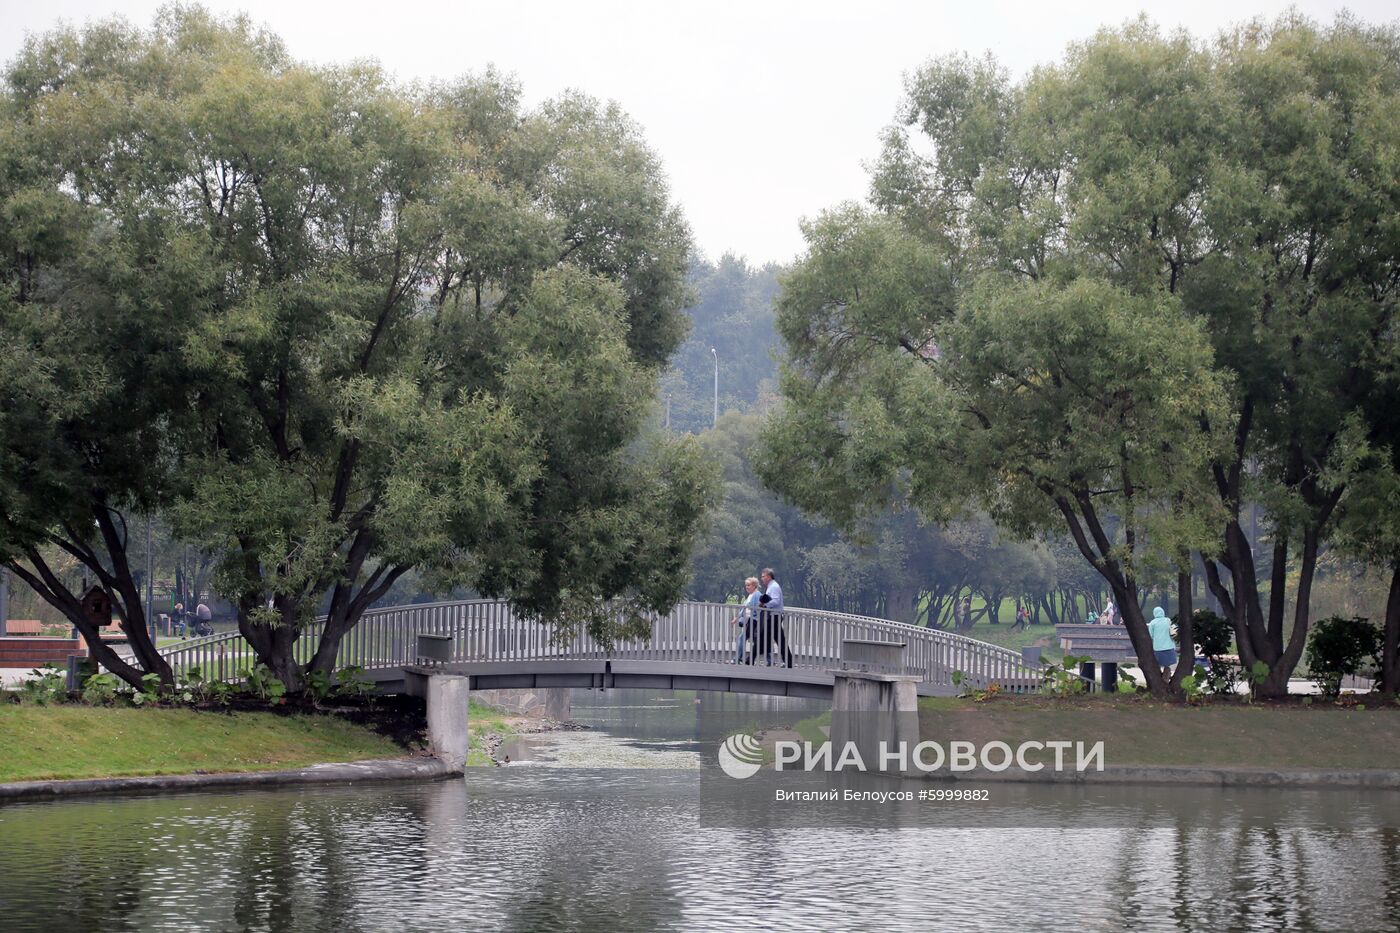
(1141,731)
(1043,635)
(41,742)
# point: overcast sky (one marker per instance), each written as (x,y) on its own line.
(763,112)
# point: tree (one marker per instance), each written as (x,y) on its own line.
(415,328)
(93,283)
(1181,257)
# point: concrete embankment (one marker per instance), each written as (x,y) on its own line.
(422,768)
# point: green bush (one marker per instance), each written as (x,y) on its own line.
(351,682)
(100,689)
(265,685)
(1341,647)
(1216,637)
(47,685)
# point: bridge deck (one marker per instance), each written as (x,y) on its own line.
(655,675)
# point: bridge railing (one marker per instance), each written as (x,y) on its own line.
(489,630)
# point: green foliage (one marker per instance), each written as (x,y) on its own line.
(343,330)
(100,689)
(1064,680)
(351,682)
(1112,291)
(318,686)
(150,692)
(733,313)
(1256,675)
(45,685)
(1340,648)
(262,683)
(1216,637)
(1193,685)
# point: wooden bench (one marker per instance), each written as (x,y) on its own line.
(24,627)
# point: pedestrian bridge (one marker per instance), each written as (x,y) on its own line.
(690,648)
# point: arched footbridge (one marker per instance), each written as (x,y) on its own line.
(693,647)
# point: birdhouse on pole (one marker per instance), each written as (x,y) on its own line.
(97,607)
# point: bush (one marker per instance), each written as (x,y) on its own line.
(1340,647)
(1216,636)
(46,685)
(100,689)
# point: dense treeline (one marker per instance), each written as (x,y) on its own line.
(731,312)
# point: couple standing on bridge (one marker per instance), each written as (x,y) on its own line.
(761,622)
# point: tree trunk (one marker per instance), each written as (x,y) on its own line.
(993,601)
(1186,663)
(1390,637)
(900,604)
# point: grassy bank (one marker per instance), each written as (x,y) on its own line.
(483,722)
(1141,731)
(51,742)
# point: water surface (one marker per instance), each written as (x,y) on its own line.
(562,843)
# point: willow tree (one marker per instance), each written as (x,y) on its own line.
(416,327)
(1230,205)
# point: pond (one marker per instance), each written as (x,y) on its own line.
(606,829)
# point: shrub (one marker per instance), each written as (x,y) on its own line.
(351,682)
(1340,647)
(1216,636)
(265,685)
(46,685)
(100,689)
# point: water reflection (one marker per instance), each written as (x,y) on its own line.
(549,848)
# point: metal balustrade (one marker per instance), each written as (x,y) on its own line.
(485,630)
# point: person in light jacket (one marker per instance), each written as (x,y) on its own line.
(746,618)
(770,622)
(1160,628)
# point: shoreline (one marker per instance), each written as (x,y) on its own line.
(492,742)
(416,768)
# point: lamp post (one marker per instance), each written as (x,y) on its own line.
(150,581)
(4,598)
(715,354)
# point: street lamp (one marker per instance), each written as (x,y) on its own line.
(715,354)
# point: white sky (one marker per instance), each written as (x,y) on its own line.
(762,111)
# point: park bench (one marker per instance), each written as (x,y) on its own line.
(24,627)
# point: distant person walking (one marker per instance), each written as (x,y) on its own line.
(1160,628)
(204,619)
(771,621)
(746,618)
(1023,619)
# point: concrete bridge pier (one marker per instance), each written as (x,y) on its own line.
(874,705)
(448,733)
